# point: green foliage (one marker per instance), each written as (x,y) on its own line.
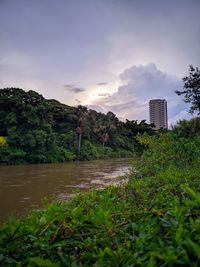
(188,128)
(37,261)
(191,90)
(167,151)
(90,151)
(11,155)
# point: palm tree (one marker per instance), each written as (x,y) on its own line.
(107,125)
(81,114)
(104,136)
(79,130)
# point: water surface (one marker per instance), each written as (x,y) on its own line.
(26,185)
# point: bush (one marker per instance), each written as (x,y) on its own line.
(65,155)
(167,151)
(89,151)
(11,155)
(188,129)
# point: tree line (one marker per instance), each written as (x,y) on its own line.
(38,130)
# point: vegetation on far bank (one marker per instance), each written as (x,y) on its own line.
(152,220)
(36,130)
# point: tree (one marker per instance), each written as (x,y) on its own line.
(191,89)
(105,126)
(188,128)
(81,113)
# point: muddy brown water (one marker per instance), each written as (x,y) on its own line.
(23,186)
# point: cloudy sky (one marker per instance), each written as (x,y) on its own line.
(107,54)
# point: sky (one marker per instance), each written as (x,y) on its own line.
(107,54)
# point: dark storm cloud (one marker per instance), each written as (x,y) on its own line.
(73,88)
(78,101)
(102,83)
(104,95)
(117,108)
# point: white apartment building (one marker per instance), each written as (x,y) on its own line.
(158,113)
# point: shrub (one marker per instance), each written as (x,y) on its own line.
(11,155)
(89,151)
(167,151)
(188,129)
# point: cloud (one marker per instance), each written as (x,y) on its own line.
(102,83)
(104,95)
(78,101)
(139,84)
(73,88)
(56,42)
(183,114)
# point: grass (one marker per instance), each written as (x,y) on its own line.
(153,221)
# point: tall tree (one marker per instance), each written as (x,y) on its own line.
(107,126)
(81,114)
(191,89)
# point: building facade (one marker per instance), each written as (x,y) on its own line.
(158,113)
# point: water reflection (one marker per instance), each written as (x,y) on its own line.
(23,186)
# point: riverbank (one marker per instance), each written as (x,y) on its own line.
(97,153)
(152,221)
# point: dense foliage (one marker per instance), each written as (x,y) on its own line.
(168,151)
(38,130)
(191,89)
(148,221)
(189,129)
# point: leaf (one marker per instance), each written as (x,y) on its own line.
(151,262)
(42,263)
(192,193)
(1,257)
(43,220)
(195,247)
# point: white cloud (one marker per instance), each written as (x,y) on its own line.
(139,84)
(183,114)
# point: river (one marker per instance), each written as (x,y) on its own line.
(23,186)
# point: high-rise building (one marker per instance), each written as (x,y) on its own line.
(158,113)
